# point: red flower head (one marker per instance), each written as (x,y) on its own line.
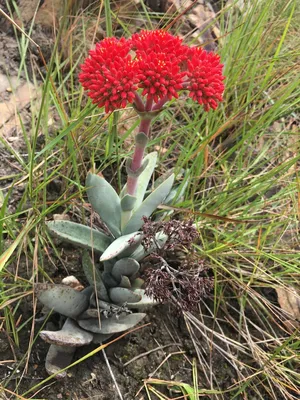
(158,59)
(205,79)
(161,67)
(108,74)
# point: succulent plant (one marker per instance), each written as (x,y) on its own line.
(147,71)
(115,298)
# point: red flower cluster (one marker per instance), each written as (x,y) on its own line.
(108,74)
(155,62)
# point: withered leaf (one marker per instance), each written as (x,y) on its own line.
(289,301)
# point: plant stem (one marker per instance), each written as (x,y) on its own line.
(138,156)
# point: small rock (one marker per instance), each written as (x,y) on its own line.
(72,282)
(61,217)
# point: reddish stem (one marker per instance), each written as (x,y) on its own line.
(138,102)
(149,103)
(138,156)
(160,104)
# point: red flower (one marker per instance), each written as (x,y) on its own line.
(158,59)
(159,41)
(159,77)
(109,75)
(205,79)
(161,67)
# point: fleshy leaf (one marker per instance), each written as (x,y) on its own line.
(108,265)
(105,202)
(59,357)
(69,335)
(149,205)
(80,235)
(90,313)
(143,179)
(125,282)
(93,276)
(121,244)
(137,284)
(125,266)
(62,299)
(140,252)
(144,303)
(128,202)
(109,280)
(121,295)
(113,324)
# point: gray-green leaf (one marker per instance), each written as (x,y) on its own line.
(141,252)
(144,178)
(93,276)
(144,303)
(69,335)
(113,324)
(125,266)
(105,202)
(121,295)
(62,299)
(149,205)
(80,235)
(121,244)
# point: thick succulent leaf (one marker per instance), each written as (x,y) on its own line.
(69,335)
(144,303)
(62,299)
(87,291)
(105,202)
(143,179)
(121,244)
(128,202)
(108,265)
(109,280)
(125,266)
(176,195)
(121,295)
(113,324)
(95,312)
(93,276)
(59,357)
(125,282)
(80,235)
(127,205)
(89,313)
(140,252)
(149,205)
(127,253)
(137,284)
(93,303)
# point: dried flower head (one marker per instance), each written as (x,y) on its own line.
(155,62)
(181,234)
(184,289)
